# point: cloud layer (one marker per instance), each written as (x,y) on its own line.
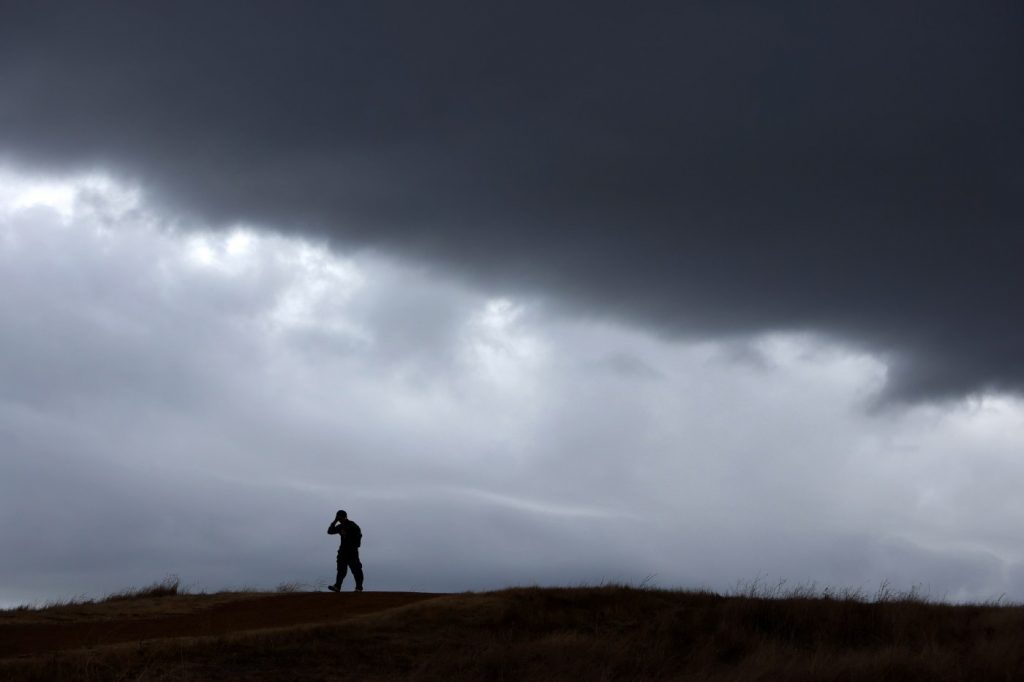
(704,169)
(200,402)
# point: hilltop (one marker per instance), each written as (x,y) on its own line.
(587,633)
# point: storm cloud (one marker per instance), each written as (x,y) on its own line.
(199,402)
(707,170)
(541,293)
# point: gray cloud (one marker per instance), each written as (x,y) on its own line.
(703,169)
(200,402)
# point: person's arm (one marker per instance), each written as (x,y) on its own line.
(334,528)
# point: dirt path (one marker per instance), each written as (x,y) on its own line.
(245,613)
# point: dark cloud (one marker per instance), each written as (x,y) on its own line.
(200,403)
(703,168)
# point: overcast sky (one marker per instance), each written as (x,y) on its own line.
(699,292)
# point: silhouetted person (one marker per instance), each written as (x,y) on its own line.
(348,551)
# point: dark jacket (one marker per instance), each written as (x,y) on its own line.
(351,534)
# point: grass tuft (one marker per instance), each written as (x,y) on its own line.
(170,586)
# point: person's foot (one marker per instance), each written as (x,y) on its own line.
(334,588)
(359,588)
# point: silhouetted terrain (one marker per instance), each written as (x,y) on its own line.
(600,633)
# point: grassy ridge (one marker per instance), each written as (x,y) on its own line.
(606,633)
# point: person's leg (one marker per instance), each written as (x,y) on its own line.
(342,570)
(357,569)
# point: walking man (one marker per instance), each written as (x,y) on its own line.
(348,551)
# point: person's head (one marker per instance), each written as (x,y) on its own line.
(341,515)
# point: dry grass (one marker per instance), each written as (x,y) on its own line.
(601,633)
(164,597)
(168,587)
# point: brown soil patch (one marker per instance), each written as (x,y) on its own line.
(247,612)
